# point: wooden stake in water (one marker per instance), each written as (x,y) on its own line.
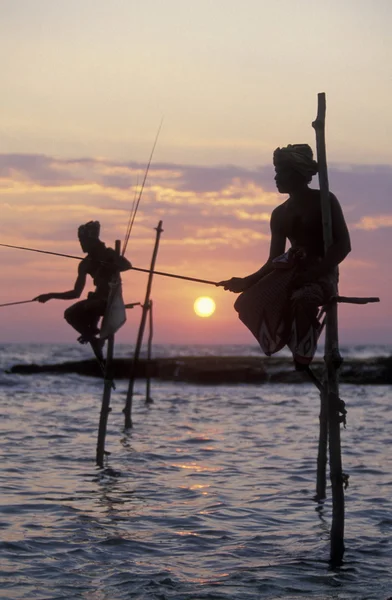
(149,400)
(332,358)
(107,388)
(145,309)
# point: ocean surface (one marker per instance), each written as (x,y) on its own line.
(207,497)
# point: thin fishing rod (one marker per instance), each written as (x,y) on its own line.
(13,303)
(131,213)
(142,188)
(133,268)
(42,251)
(176,276)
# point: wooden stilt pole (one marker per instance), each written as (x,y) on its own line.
(149,400)
(107,388)
(145,308)
(322,449)
(330,397)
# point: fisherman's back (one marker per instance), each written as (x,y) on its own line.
(101,267)
(301,223)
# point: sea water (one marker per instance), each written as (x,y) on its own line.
(208,496)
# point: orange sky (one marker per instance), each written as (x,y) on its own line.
(84,87)
(216,224)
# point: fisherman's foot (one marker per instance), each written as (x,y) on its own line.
(86,338)
(97,345)
(300,366)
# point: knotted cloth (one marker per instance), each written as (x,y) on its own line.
(278,315)
(298,157)
(90,230)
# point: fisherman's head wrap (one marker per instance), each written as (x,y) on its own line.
(89,231)
(298,157)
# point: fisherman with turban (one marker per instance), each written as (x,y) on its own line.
(296,157)
(102,264)
(279,302)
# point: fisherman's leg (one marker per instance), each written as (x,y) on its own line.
(75,316)
(84,316)
(96,310)
(305,325)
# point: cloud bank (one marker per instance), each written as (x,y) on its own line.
(215,220)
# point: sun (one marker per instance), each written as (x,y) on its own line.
(204,306)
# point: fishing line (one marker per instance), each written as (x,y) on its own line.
(130,220)
(141,190)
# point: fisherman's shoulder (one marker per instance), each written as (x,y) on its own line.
(84,265)
(110,254)
(279,211)
(316,193)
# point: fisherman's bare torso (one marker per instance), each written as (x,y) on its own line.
(100,267)
(299,220)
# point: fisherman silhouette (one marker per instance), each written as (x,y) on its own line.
(101,263)
(280,301)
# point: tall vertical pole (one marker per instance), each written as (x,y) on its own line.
(145,308)
(321,480)
(332,356)
(107,388)
(149,400)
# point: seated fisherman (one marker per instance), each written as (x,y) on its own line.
(101,263)
(280,301)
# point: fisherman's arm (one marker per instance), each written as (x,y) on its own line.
(341,245)
(71,294)
(123,264)
(277,247)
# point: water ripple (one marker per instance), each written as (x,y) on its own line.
(209,496)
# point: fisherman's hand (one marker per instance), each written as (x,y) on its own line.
(43,298)
(235,284)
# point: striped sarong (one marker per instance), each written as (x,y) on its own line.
(279,315)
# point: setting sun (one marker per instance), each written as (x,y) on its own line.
(204,306)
